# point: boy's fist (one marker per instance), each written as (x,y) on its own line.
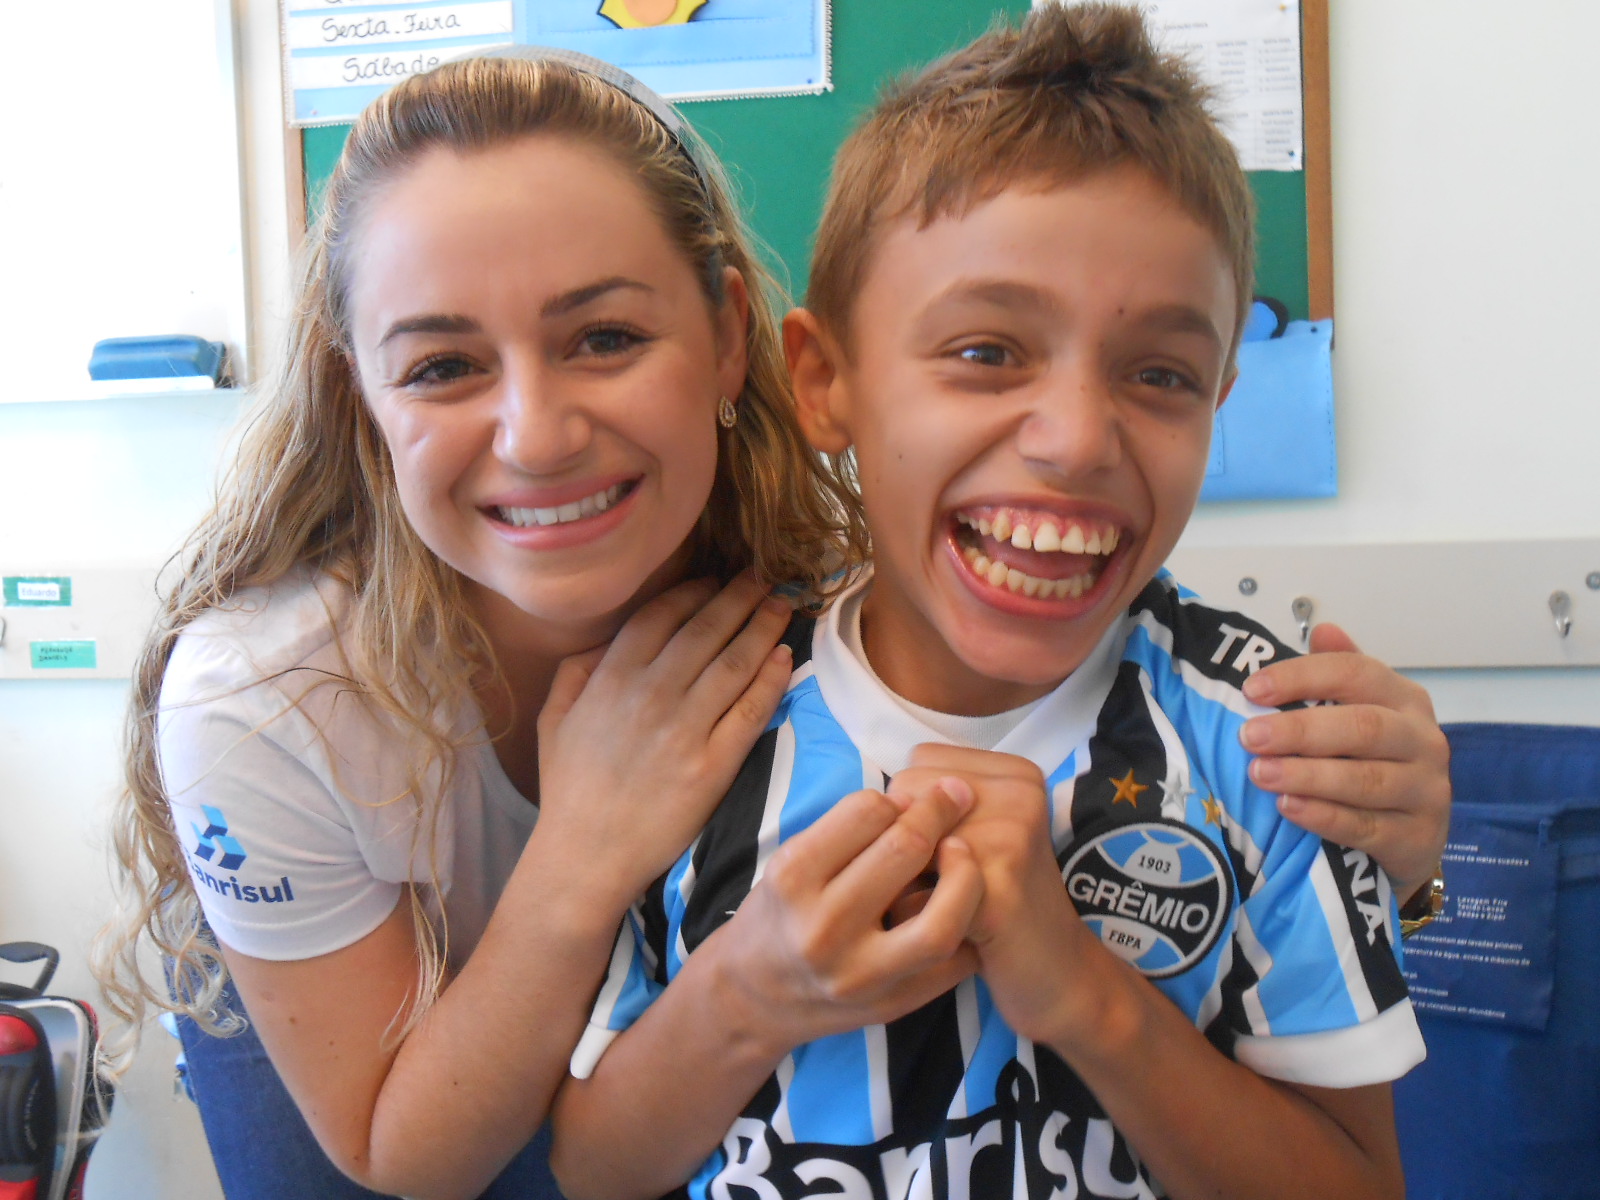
(816,953)
(1026,932)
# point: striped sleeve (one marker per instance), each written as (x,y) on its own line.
(630,987)
(1321,1000)
(1312,990)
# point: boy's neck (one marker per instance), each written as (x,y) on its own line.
(907,654)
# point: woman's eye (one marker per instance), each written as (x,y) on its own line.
(436,369)
(986,354)
(607,340)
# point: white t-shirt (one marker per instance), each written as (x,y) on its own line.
(289,793)
(982,733)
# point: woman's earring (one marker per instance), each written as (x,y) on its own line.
(727,414)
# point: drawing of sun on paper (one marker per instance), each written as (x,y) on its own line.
(646,14)
(689,49)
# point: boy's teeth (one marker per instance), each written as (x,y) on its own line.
(1048,537)
(997,574)
(589,506)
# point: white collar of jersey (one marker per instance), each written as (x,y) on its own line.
(884,731)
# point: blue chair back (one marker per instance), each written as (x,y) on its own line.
(1508,1102)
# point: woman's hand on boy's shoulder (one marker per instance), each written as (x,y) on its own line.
(1370,771)
(639,741)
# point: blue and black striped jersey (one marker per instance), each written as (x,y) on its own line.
(1277,945)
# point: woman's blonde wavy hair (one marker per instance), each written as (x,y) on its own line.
(313,487)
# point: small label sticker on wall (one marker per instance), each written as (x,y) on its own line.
(62,655)
(38,591)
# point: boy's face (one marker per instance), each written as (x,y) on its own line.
(1029,393)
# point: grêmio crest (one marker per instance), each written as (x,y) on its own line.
(1156,892)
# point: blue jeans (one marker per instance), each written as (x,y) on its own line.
(263,1148)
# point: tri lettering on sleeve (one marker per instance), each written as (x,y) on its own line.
(1255,651)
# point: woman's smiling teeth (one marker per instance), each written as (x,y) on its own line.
(589,506)
(983,539)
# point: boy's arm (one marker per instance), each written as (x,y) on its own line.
(1205,1125)
(805,956)
(1371,772)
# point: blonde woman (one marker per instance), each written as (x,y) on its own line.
(478,634)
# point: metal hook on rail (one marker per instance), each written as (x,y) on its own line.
(1561,610)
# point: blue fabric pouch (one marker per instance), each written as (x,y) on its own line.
(1274,438)
(1508,1101)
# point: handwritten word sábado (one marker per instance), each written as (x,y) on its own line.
(384,67)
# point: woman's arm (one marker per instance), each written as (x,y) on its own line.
(441,1113)
(635,749)
(1371,771)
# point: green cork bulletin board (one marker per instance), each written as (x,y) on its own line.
(778,149)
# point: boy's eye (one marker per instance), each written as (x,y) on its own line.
(435,370)
(986,354)
(1166,379)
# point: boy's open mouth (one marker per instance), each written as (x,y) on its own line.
(1040,555)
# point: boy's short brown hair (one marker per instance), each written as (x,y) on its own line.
(1070,93)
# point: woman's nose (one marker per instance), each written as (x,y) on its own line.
(541,422)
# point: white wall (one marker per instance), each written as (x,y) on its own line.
(119,210)
(58,766)
(1465,253)
(1464,175)
(95,482)
(119,215)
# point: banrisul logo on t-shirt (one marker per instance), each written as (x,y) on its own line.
(1157,893)
(217,859)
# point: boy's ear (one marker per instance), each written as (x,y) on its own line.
(1227,385)
(814,371)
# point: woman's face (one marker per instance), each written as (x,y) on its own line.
(545,369)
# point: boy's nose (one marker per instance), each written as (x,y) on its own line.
(1072,427)
(539,426)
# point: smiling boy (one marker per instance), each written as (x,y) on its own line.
(1028,390)
(1027,295)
